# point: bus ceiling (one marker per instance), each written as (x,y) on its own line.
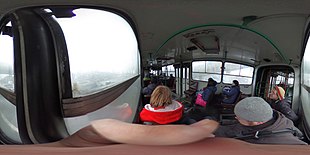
(226,41)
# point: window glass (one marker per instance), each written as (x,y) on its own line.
(101,54)
(306,66)
(199,66)
(168,70)
(203,70)
(285,80)
(291,77)
(171,70)
(8,117)
(6,59)
(186,73)
(239,72)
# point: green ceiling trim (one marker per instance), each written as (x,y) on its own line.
(227,25)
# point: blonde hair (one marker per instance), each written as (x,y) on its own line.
(161,97)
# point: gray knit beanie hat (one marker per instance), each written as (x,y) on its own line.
(254,109)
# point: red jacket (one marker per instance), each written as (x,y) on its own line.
(166,115)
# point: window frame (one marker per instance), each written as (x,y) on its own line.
(252,79)
(208,73)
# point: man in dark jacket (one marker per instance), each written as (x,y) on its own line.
(258,123)
(279,103)
(231,94)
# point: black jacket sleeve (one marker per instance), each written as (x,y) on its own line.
(285,108)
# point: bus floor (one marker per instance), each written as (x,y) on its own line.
(212,112)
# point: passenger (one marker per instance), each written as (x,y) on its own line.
(231,94)
(162,109)
(150,87)
(279,103)
(208,92)
(171,82)
(258,123)
(146,81)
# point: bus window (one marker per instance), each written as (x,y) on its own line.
(203,70)
(169,70)
(305,88)
(242,73)
(94,45)
(305,81)
(8,118)
(306,67)
(103,53)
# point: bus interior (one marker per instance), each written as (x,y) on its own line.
(64,64)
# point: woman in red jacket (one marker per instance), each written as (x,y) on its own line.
(162,109)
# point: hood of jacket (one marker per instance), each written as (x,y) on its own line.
(165,115)
(281,122)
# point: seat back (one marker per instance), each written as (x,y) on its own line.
(211,97)
(235,102)
(238,98)
(193,86)
(146,99)
(227,110)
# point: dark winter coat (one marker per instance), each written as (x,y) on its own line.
(149,89)
(208,93)
(285,108)
(277,124)
(231,94)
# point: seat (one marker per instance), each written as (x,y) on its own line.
(226,111)
(171,84)
(146,99)
(193,86)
